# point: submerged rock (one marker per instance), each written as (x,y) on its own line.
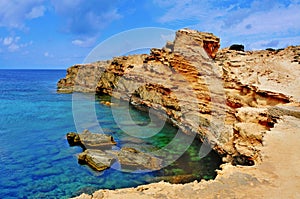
(132,159)
(97,159)
(88,140)
(129,159)
(99,156)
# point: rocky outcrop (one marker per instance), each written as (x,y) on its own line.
(88,140)
(182,81)
(256,82)
(212,98)
(207,41)
(82,78)
(231,99)
(97,159)
(168,79)
(98,153)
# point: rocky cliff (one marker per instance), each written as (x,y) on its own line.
(231,98)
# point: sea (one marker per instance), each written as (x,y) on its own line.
(36,160)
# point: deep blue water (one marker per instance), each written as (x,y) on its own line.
(35,158)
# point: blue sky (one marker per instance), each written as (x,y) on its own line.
(54,34)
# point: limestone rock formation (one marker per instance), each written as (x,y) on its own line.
(241,102)
(207,41)
(225,100)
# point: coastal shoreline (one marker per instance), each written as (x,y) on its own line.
(262,102)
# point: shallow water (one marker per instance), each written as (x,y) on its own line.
(35,158)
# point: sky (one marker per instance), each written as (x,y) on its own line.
(55,34)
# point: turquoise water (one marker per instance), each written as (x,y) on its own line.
(35,158)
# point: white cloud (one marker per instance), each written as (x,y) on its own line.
(12,43)
(182,10)
(47,54)
(277,20)
(245,20)
(261,28)
(282,43)
(13,14)
(86,18)
(13,47)
(80,17)
(78,42)
(36,12)
(66,6)
(7,41)
(87,42)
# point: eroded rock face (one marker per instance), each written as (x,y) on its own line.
(257,82)
(209,42)
(226,100)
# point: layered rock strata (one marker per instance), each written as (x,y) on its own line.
(225,100)
(232,99)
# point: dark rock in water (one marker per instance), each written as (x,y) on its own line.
(97,159)
(237,47)
(132,159)
(73,139)
(88,140)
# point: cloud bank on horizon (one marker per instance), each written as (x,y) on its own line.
(57,34)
